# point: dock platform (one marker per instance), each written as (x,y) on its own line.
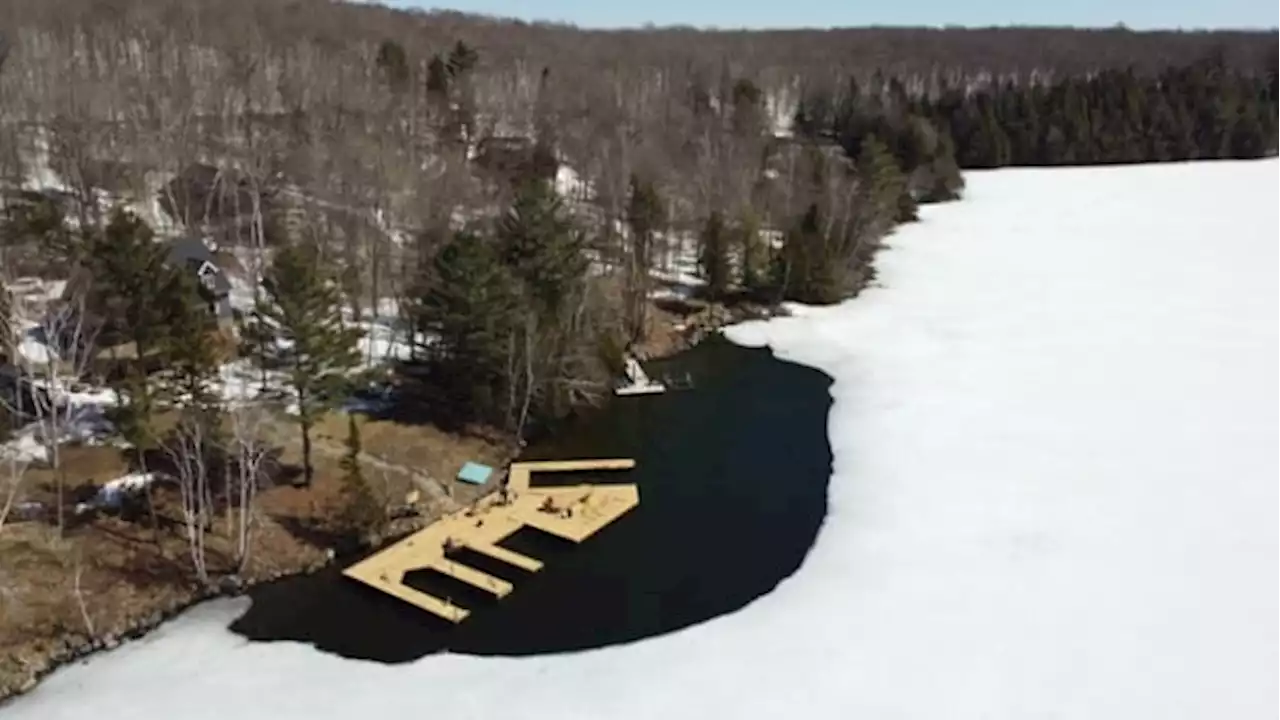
(574,513)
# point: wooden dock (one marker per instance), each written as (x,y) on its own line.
(574,513)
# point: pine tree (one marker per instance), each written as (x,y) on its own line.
(190,352)
(393,63)
(645,215)
(8,338)
(438,82)
(460,63)
(361,511)
(134,417)
(8,328)
(301,313)
(142,299)
(134,283)
(469,299)
(754,253)
(883,182)
(462,59)
(713,257)
(807,269)
(541,247)
(33,217)
(1248,136)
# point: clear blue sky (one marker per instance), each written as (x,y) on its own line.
(1137,14)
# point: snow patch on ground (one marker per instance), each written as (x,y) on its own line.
(113,492)
(1054,495)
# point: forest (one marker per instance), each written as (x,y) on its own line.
(525,202)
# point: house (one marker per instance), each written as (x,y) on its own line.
(191,252)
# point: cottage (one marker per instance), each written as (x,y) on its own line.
(191,252)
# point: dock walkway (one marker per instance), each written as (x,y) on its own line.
(574,513)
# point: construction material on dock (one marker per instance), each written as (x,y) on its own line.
(574,513)
(475,473)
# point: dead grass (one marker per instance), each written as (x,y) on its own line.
(422,448)
(83,465)
(130,572)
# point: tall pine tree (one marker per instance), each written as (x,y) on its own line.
(713,257)
(646,216)
(361,510)
(300,318)
(469,299)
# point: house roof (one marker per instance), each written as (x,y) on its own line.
(192,252)
(189,249)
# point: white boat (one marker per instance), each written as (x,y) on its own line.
(638,383)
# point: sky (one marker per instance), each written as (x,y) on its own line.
(1136,14)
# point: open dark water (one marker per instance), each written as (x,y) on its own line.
(733,482)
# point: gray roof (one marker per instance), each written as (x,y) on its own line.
(193,253)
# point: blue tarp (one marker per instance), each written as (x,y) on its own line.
(475,473)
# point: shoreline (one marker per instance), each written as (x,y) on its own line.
(669,338)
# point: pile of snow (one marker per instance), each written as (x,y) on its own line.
(1054,495)
(33,347)
(113,492)
(79,414)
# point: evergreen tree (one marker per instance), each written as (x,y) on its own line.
(135,289)
(883,185)
(35,218)
(714,255)
(393,63)
(361,512)
(754,253)
(541,247)
(808,270)
(438,81)
(462,59)
(748,109)
(8,327)
(646,216)
(1203,109)
(8,340)
(190,350)
(134,417)
(301,312)
(143,300)
(469,299)
(461,62)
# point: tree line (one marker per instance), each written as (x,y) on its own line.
(1204,109)
(517,206)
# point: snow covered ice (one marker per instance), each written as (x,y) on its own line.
(1054,495)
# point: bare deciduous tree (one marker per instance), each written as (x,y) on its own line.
(11,482)
(190,448)
(51,348)
(246,465)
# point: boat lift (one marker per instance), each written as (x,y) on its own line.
(638,381)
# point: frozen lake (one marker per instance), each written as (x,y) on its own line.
(1054,494)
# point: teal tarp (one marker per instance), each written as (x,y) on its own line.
(475,473)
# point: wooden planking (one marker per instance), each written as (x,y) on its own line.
(430,603)
(577,465)
(491,520)
(509,557)
(472,576)
(604,505)
(518,475)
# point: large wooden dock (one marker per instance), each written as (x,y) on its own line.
(573,512)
